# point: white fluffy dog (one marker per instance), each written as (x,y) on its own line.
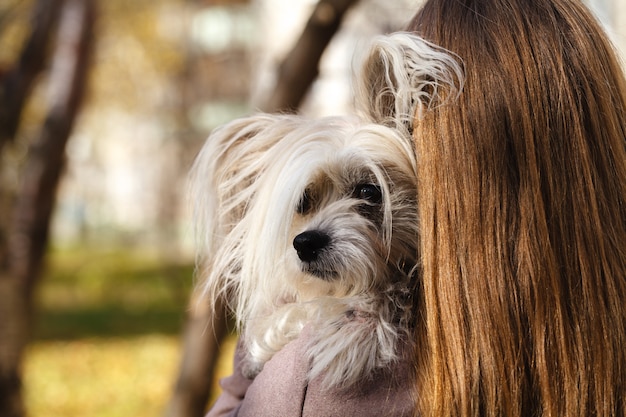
(313,222)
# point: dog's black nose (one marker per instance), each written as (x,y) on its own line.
(308,244)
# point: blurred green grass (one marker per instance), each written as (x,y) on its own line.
(87,293)
(106,340)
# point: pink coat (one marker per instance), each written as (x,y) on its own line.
(281,390)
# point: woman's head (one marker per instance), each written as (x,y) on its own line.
(522,193)
(523,202)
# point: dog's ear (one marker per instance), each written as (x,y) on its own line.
(222,183)
(222,177)
(403,75)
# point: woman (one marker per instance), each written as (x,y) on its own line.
(522,201)
(522,193)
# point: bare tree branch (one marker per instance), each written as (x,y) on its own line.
(300,67)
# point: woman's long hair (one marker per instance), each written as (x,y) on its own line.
(522,193)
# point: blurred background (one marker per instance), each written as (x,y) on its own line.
(104,105)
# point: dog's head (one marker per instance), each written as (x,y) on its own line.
(354,222)
(293,208)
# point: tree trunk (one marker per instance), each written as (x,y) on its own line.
(205,331)
(27,232)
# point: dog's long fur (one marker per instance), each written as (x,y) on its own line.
(403,76)
(356,295)
(265,186)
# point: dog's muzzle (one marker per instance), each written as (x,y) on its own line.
(309,244)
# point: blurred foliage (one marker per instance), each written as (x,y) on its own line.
(141,45)
(100,377)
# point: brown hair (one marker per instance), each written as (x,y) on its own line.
(522,190)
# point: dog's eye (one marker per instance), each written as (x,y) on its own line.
(304,205)
(368,192)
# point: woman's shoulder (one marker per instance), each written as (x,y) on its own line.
(388,392)
(282,389)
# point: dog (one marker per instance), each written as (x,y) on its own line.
(312,223)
